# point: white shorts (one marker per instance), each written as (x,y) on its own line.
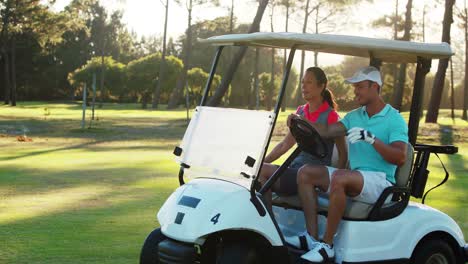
(374,184)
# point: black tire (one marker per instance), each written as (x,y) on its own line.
(149,251)
(237,253)
(434,252)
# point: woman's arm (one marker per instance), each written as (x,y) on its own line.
(326,131)
(342,152)
(281,148)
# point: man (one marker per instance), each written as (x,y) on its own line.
(378,136)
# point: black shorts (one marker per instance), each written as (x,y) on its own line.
(288,182)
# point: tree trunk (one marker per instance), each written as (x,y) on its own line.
(101,85)
(257,90)
(465,97)
(424,24)
(287,96)
(316,32)
(13,92)
(103,75)
(452,89)
(439,80)
(231,19)
(222,88)
(4,47)
(272,75)
(395,37)
(6,66)
(162,65)
(304,29)
(399,90)
(176,94)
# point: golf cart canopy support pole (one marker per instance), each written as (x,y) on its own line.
(287,70)
(212,74)
(375,62)
(422,68)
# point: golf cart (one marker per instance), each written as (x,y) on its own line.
(219,216)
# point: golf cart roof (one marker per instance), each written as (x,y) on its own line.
(382,49)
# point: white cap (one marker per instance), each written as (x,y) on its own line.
(369,73)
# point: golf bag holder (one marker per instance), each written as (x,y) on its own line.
(420,172)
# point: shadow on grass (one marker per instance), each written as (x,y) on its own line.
(88,232)
(30,180)
(131,128)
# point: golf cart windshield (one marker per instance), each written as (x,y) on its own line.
(226,144)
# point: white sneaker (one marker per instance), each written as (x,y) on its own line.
(321,253)
(302,241)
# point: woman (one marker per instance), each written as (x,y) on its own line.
(320,108)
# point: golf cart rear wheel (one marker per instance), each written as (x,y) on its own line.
(236,253)
(434,252)
(149,252)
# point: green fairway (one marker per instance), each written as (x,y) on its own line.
(91,195)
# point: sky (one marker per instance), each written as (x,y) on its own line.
(146,17)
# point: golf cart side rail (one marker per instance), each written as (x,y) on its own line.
(439,149)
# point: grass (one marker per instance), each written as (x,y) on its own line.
(77,195)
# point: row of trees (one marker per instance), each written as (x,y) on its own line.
(50,55)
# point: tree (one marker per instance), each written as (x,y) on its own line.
(289,6)
(463,16)
(27,26)
(4,36)
(162,67)
(398,93)
(332,8)
(223,87)
(177,92)
(434,104)
(272,72)
(268,91)
(115,72)
(196,80)
(307,13)
(141,76)
(397,24)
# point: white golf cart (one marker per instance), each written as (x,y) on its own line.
(219,216)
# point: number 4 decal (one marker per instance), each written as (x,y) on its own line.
(215,219)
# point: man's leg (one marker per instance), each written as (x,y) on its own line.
(309,177)
(343,183)
(265,174)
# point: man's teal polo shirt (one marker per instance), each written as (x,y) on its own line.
(388,126)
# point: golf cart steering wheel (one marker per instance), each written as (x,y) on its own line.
(307,138)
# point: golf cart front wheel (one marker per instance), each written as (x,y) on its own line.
(434,252)
(149,251)
(237,253)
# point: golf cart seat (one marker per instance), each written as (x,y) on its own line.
(391,202)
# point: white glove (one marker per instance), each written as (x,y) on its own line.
(356,134)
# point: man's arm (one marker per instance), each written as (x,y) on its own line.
(394,153)
(281,148)
(326,131)
(342,148)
